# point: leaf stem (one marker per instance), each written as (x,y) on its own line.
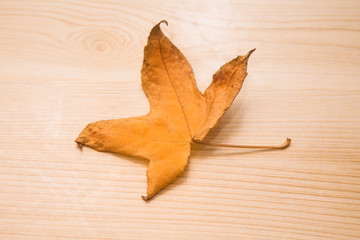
(281,146)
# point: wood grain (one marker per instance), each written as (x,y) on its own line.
(67,63)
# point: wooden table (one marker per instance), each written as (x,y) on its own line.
(64,64)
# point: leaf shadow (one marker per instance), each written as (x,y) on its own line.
(225,121)
(234,113)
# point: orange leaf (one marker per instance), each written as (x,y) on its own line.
(179,112)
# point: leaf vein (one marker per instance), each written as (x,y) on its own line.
(172,85)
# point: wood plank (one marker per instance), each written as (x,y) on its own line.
(67,63)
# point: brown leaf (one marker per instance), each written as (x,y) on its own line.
(179,112)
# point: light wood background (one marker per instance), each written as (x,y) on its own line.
(64,64)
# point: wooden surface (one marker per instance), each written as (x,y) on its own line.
(64,64)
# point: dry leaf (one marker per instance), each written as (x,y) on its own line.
(179,112)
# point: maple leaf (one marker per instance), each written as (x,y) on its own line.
(179,113)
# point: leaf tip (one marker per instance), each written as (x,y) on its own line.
(249,53)
(163,21)
(145,198)
(79,145)
(156,30)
